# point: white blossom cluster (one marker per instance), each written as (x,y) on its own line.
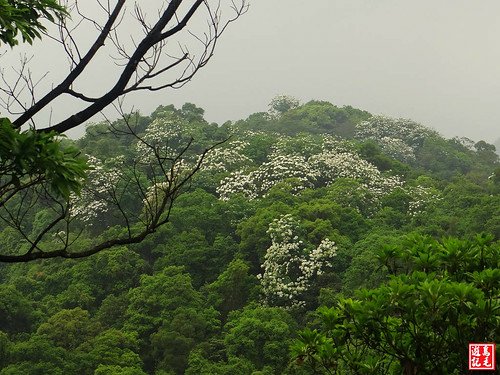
(311,161)
(318,170)
(155,193)
(289,267)
(377,127)
(331,142)
(279,168)
(422,196)
(374,185)
(60,236)
(101,181)
(397,149)
(227,158)
(332,165)
(308,144)
(166,135)
(246,135)
(397,137)
(238,182)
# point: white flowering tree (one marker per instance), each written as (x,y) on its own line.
(398,138)
(102,178)
(227,158)
(397,149)
(333,165)
(290,267)
(281,104)
(307,162)
(422,195)
(257,182)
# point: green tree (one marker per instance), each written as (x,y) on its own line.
(111,348)
(172,343)
(281,104)
(118,370)
(486,152)
(16,311)
(261,335)
(441,296)
(158,297)
(4,347)
(202,260)
(37,356)
(233,288)
(199,365)
(167,311)
(364,270)
(109,272)
(68,328)
(321,117)
(111,313)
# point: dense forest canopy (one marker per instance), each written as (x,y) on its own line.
(313,239)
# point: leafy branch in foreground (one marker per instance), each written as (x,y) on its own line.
(24,17)
(29,157)
(441,296)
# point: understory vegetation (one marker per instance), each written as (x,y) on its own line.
(314,239)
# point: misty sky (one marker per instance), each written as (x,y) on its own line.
(436,62)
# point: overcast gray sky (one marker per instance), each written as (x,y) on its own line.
(436,62)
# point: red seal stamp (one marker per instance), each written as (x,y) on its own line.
(482,356)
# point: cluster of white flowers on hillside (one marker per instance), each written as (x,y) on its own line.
(308,162)
(332,143)
(167,135)
(156,192)
(409,131)
(154,199)
(280,168)
(397,149)
(332,161)
(397,137)
(332,165)
(289,268)
(226,158)
(238,182)
(422,197)
(308,144)
(102,179)
(257,182)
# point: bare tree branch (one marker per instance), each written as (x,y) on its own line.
(139,66)
(78,69)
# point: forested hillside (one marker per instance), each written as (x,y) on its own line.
(312,239)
